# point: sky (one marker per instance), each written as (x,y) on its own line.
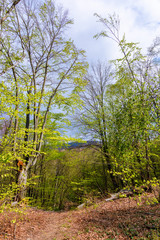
(139,20)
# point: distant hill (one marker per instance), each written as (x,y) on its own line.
(73,145)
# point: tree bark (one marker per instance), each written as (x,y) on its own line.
(22,184)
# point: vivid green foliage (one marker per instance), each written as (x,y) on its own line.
(44,80)
(41,88)
(133,105)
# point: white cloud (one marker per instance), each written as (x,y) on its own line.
(139,20)
(150,8)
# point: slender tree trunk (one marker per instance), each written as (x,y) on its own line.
(147,158)
(104,175)
(109,165)
(23,172)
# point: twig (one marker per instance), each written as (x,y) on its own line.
(4,233)
(148,213)
(152,227)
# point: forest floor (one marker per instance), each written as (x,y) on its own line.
(124,218)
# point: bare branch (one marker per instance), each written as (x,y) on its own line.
(9,10)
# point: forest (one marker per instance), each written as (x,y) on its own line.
(47,86)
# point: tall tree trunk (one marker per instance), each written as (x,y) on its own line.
(104,175)
(22,184)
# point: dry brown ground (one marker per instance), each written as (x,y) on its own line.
(115,220)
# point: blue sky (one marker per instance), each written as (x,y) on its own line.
(140,21)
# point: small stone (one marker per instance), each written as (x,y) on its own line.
(14,204)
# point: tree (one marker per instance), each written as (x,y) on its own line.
(94,115)
(51,64)
(7,7)
(131,104)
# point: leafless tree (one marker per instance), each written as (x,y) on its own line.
(93,117)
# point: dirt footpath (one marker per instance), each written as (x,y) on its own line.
(125,219)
